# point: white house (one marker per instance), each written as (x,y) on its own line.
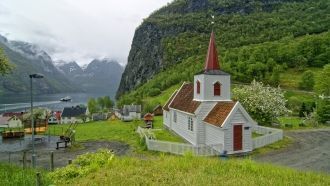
(131,112)
(203,113)
(10,122)
(73,114)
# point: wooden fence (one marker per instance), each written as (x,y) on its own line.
(269,135)
(178,148)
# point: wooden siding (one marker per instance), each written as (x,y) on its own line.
(239,119)
(181,126)
(214,135)
(202,111)
(167,118)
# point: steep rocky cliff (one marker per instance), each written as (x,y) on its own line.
(148,55)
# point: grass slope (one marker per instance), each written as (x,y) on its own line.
(188,170)
(11,175)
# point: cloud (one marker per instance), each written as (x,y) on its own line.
(77,30)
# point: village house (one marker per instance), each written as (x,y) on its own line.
(99,116)
(203,112)
(73,115)
(55,118)
(131,112)
(158,110)
(10,122)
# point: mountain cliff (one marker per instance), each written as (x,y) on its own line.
(176,36)
(99,75)
(29,59)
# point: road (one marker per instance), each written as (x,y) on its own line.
(309,151)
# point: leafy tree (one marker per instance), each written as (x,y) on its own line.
(322,85)
(92,105)
(323,110)
(264,103)
(108,103)
(275,78)
(100,103)
(307,80)
(5,66)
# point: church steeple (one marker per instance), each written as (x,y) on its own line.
(212,84)
(212,62)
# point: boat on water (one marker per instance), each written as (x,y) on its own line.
(65,99)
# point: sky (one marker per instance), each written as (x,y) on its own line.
(76,30)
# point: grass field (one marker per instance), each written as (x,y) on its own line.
(293,121)
(182,170)
(115,131)
(291,77)
(11,175)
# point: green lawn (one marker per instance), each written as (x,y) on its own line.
(292,121)
(115,131)
(181,170)
(104,130)
(255,135)
(165,135)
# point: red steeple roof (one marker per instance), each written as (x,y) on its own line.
(212,62)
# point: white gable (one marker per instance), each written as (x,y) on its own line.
(238,115)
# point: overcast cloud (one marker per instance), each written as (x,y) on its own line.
(77,30)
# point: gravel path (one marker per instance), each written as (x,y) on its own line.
(309,151)
(12,151)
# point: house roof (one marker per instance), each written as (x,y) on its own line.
(169,101)
(131,108)
(219,113)
(73,111)
(183,100)
(157,107)
(4,120)
(10,114)
(148,117)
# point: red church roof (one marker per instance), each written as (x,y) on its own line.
(212,62)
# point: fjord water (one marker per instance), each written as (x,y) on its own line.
(51,101)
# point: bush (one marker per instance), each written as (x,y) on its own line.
(154,92)
(307,81)
(83,165)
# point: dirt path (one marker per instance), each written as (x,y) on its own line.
(13,153)
(309,151)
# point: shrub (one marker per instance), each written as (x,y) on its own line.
(307,81)
(154,92)
(83,165)
(264,103)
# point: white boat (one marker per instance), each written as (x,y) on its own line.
(67,98)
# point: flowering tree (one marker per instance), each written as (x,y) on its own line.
(264,103)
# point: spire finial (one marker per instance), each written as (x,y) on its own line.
(212,22)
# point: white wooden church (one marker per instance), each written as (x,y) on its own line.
(202,112)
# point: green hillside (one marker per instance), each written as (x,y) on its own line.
(270,41)
(179,33)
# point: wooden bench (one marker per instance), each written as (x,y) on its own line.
(66,140)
